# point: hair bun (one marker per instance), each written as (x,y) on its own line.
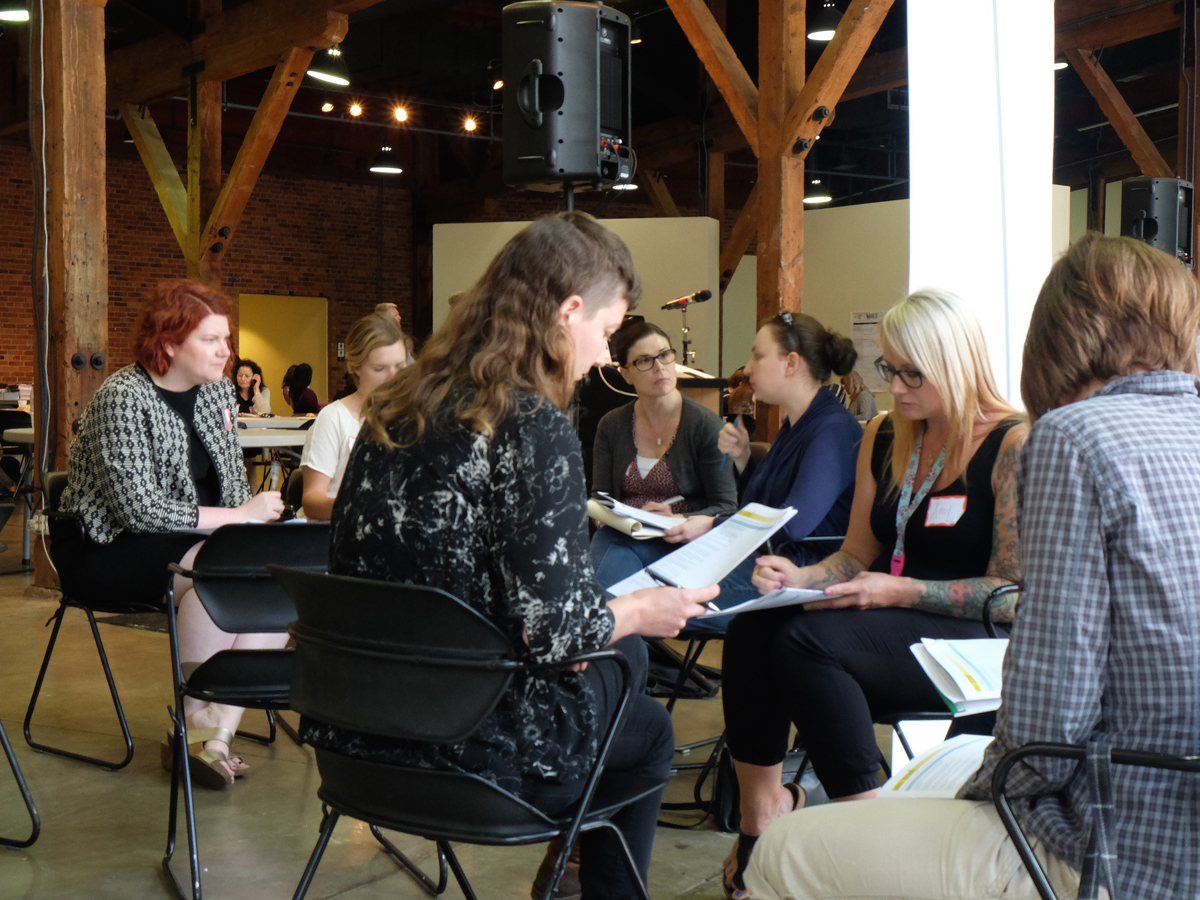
(841,353)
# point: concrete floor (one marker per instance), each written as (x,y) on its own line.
(103,833)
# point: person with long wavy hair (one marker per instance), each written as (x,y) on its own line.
(468,477)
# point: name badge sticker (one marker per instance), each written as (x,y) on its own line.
(228,417)
(944,512)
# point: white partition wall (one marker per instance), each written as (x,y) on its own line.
(674,256)
(981,137)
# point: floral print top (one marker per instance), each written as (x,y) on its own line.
(501,524)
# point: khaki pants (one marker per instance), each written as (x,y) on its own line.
(926,849)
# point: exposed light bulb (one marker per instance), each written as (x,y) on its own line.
(499,85)
(470,124)
(355,110)
(401,114)
(326,106)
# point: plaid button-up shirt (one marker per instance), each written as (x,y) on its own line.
(1107,634)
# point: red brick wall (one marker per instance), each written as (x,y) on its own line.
(350,243)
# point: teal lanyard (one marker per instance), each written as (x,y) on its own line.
(909,501)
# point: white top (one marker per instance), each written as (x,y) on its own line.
(329,443)
(645,464)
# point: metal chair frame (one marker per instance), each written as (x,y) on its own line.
(1139,758)
(251,696)
(583,819)
(34,819)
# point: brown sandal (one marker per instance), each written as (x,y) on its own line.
(215,771)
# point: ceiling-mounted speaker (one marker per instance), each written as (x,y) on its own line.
(1159,212)
(566,94)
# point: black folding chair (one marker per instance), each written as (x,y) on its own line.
(54,485)
(230,578)
(416,664)
(1139,758)
(34,819)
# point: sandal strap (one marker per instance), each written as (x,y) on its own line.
(204,735)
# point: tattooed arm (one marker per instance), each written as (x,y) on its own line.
(858,549)
(964,598)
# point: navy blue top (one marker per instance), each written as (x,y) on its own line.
(810,466)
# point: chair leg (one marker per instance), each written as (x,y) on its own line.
(459,875)
(420,877)
(327,826)
(180,778)
(112,690)
(286,727)
(34,819)
(630,865)
(268,738)
(903,740)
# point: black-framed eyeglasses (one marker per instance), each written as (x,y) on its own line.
(910,377)
(646,363)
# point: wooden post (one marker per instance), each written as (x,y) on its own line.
(780,171)
(75,208)
(204,164)
(660,197)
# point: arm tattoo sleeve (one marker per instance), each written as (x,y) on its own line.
(835,569)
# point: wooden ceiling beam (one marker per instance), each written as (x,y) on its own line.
(660,197)
(880,72)
(722,64)
(163,175)
(1119,115)
(743,233)
(1079,25)
(260,137)
(235,42)
(840,59)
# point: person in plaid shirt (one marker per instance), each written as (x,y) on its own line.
(1106,640)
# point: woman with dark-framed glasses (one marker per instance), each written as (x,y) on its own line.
(658,453)
(933,531)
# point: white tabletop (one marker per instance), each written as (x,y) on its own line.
(274,421)
(18,435)
(271,437)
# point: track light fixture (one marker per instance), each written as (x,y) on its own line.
(823,25)
(330,67)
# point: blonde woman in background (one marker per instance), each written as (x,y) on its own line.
(933,531)
(858,399)
(375,351)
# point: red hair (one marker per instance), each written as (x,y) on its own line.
(173,313)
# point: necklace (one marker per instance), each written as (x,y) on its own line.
(658,441)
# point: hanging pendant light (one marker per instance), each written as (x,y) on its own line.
(816,193)
(13,11)
(821,27)
(330,67)
(386,163)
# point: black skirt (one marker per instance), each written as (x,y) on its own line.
(120,576)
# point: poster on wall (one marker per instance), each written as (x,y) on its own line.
(864,332)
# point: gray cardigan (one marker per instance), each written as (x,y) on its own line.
(693,459)
(129,469)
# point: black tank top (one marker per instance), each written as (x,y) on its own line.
(939,553)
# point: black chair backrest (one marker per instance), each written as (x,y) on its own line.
(293,494)
(395,660)
(55,484)
(231,577)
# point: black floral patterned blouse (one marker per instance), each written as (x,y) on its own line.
(501,524)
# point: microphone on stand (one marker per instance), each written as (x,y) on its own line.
(682,302)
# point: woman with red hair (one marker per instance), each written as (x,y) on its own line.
(156,460)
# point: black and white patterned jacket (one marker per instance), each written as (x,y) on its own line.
(129,468)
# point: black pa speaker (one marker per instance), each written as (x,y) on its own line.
(1159,212)
(566,94)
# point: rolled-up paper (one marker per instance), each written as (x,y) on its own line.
(623,524)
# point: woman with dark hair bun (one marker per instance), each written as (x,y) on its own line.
(658,453)
(810,466)
(296,390)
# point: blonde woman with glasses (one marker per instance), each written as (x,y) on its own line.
(932,532)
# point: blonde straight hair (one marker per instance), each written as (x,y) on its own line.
(367,335)
(934,331)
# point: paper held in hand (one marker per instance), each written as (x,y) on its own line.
(966,673)
(940,771)
(654,520)
(623,524)
(712,556)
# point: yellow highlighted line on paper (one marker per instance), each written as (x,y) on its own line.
(968,676)
(766,520)
(899,785)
